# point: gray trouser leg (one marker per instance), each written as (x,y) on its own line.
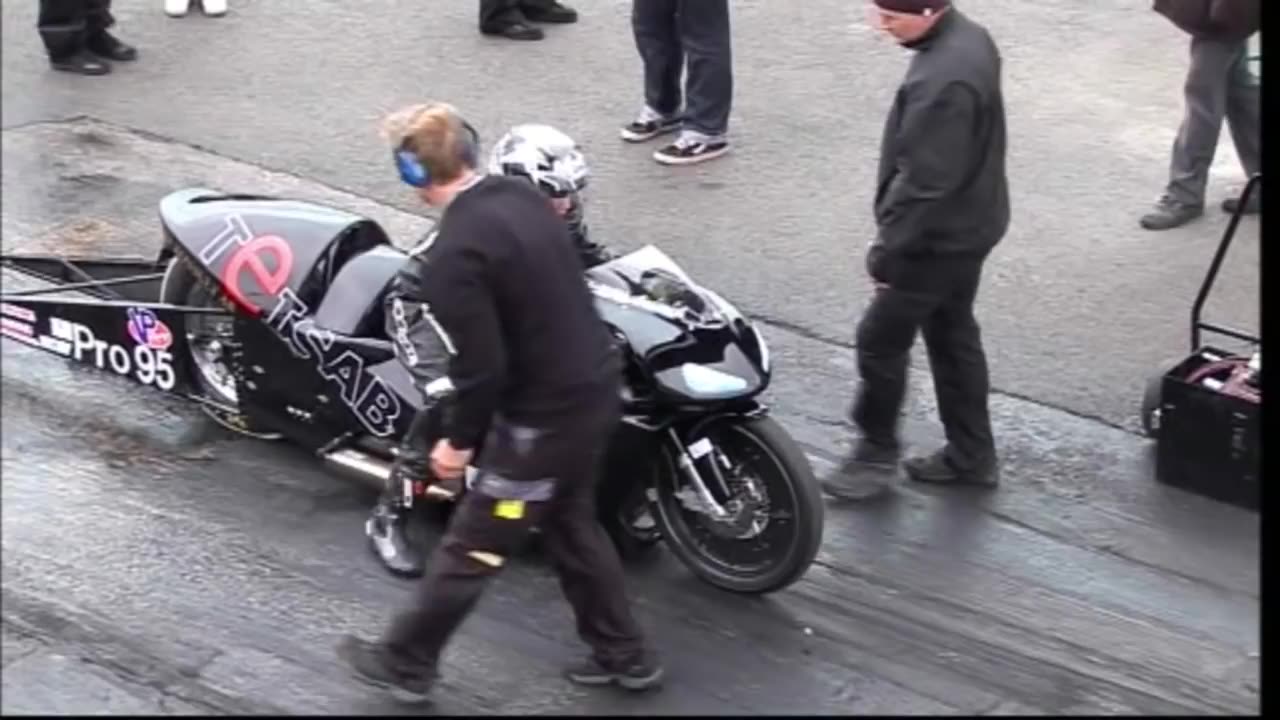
(704,30)
(1219,85)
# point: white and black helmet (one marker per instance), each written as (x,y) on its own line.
(547,157)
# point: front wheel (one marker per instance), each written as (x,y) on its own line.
(768,526)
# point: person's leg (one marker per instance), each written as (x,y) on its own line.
(1244,121)
(654,26)
(1205,92)
(962,386)
(885,334)
(590,571)
(483,532)
(705,36)
(62,26)
(98,40)
(388,526)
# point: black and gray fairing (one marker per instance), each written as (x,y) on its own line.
(693,343)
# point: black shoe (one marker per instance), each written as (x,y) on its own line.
(690,148)
(81,63)
(1170,213)
(515,31)
(550,13)
(1253,207)
(938,468)
(639,675)
(387,530)
(105,45)
(865,472)
(371,663)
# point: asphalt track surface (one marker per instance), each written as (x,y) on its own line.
(152,565)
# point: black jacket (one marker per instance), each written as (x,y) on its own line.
(942,189)
(1216,19)
(502,293)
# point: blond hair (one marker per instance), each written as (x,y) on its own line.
(435,133)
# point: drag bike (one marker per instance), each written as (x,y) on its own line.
(269,314)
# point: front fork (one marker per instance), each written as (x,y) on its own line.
(688,459)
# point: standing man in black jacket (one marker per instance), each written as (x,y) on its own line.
(537,383)
(75,36)
(941,205)
(1219,86)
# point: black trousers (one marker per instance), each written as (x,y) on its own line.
(935,299)
(669,33)
(495,14)
(527,477)
(65,25)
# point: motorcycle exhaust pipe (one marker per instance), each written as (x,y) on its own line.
(373,471)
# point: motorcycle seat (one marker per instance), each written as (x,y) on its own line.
(352,304)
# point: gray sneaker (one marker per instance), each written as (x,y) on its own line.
(865,472)
(642,674)
(650,124)
(1169,213)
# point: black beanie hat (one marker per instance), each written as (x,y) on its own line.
(915,7)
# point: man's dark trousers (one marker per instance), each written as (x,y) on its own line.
(667,32)
(66,25)
(486,529)
(935,297)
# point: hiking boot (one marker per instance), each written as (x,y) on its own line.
(642,674)
(1169,213)
(938,468)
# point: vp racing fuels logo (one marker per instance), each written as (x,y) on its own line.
(147,329)
(256,276)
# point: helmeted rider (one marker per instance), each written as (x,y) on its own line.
(552,161)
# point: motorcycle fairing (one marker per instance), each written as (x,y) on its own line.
(255,247)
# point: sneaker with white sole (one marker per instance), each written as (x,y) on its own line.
(692,147)
(650,124)
(176,8)
(214,8)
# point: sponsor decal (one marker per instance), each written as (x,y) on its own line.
(142,363)
(16,311)
(12,327)
(368,398)
(147,329)
(259,268)
(250,257)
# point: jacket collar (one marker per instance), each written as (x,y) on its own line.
(944,23)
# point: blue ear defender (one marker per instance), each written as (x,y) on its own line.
(415,174)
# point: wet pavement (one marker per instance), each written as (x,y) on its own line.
(152,564)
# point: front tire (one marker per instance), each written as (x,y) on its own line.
(776,530)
